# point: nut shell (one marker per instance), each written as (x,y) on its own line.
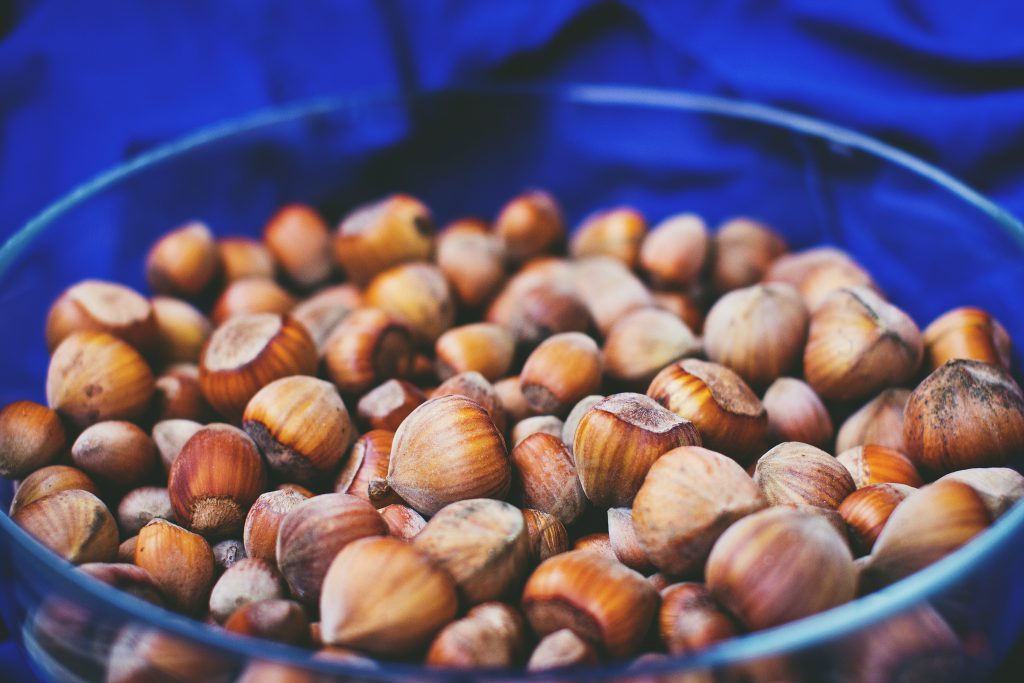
(619,439)
(675,250)
(474,386)
(867,509)
(608,289)
(301,426)
(447,450)
(365,349)
(941,426)
(282,621)
(490,635)
(251,295)
(547,535)
(31,436)
(968,333)
(183,262)
(181,329)
(927,526)
(298,238)
(529,225)
(180,562)
(244,257)
(999,487)
(728,415)
(115,453)
(858,344)
(416,295)
(367,461)
(486,348)
(614,232)
(141,506)
(322,312)
(604,602)
(560,649)
(690,497)
(248,580)
(562,370)
(743,251)
(642,342)
(313,532)
(215,479)
(473,262)
(403,522)
(74,524)
(547,476)
(481,543)
(800,474)
(259,533)
(376,236)
(690,620)
(100,306)
(878,422)
(879,465)
(796,413)
(248,352)
(385,597)
(94,376)
(779,565)
(48,480)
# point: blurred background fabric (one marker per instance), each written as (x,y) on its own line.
(87,85)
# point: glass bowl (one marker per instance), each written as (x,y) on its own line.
(931,242)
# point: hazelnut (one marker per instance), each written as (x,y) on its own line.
(562,370)
(743,251)
(614,232)
(365,349)
(624,543)
(490,635)
(599,542)
(559,649)
(385,597)
(126,551)
(757,331)
(538,303)
(543,424)
(796,413)
(94,376)
(259,533)
(181,329)
(642,342)
(915,645)
(140,655)
(247,353)
(602,601)
(691,620)
(246,581)
(546,473)
(967,333)
(801,474)
(472,385)
(74,524)
(31,436)
(99,306)
(793,268)
(170,435)
(215,479)
(858,344)
(386,406)
(878,422)
(228,553)
(675,250)
(115,453)
(690,497)
(547,535)
(322,312)
(312,534)
(684,306)
(301,426)
(529,225)
(127,578)
(572,421)
(49,480)
(367,461)
(929,524)
(297,488)
(180,562)
(965,414)
(481,543)
(178,395)
(659,581)
(510,391)
(242,257)
(998,487)
(183,262)
(142,505)
(718,402)
(251,295)
(481,347)
(609,290)
(416,295)
(823,279)
(779,565)
(403,522)
(447,450)
(377,236)
(299,240)
(619,439)
(473,262)
(866,510)
(282,621)
(879,465)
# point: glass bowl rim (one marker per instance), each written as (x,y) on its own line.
(810,631)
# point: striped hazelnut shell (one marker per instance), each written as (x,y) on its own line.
(800,474)
(74,524)
(879,465)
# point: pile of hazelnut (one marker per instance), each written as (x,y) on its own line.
(467,450)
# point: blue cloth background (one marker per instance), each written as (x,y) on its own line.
(85,85)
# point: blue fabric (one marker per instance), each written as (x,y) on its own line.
(85,85)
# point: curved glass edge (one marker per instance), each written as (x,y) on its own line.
(784,639)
